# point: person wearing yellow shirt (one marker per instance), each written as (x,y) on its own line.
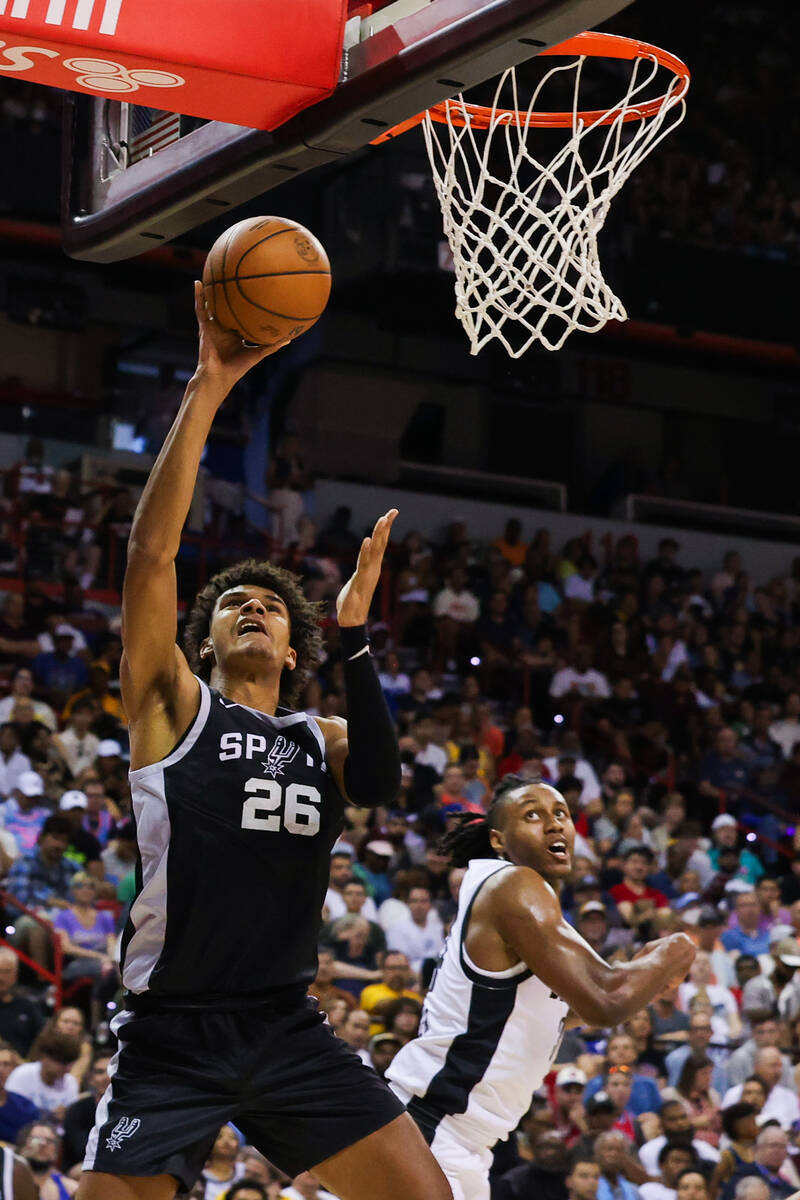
(376,996)
(98,691)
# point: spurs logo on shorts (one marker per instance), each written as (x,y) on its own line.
(125,1127)
(281,754)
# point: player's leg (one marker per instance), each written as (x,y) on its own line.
(169,1093)
(394,1163)
(313,1105)
(96,1185)
(466,1166)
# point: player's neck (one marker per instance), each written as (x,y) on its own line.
(251,690)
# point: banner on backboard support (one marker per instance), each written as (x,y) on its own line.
(252,62)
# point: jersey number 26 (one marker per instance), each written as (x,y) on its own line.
(296,808)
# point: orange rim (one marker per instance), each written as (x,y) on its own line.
(590,45)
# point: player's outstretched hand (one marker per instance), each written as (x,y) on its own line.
(353,601)
(223,356)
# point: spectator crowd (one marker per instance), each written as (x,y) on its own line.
(661,699)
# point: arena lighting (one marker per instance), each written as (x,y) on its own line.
(558,719)
(111,1006)
(11,929)
(474,661)
(751,837)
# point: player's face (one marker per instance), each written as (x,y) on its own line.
(250,628)
(538,832)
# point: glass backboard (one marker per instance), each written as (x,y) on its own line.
(137,177)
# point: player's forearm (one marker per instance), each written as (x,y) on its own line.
(372,768)
(165,502)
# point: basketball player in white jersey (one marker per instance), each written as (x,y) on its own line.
(510,972)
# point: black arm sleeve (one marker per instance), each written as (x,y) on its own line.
(372,766)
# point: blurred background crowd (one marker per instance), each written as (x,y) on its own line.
(661,696)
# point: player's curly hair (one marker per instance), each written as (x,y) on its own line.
(470,838)
(304,620)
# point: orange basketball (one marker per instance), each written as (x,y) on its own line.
(267,278)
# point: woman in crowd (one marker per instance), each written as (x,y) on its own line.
(701,1101)
(89,939)
(401,1018)
(649,1060)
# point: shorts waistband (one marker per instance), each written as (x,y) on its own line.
(278,1004)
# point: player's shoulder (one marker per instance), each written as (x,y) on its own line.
(333,729)
(523,886)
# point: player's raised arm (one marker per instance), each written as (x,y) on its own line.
(528,916)
(153,669)
(363,755)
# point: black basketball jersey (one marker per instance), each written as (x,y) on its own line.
(235,829)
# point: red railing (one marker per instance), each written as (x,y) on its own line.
(56,976)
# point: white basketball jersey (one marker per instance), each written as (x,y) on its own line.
(487,1039)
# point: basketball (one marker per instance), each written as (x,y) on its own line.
(267,278)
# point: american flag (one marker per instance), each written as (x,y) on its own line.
(151,129)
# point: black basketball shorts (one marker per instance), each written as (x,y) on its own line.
(297,1092)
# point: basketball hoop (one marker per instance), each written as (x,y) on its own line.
(523,231)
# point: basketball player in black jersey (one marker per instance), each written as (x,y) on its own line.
(238,801)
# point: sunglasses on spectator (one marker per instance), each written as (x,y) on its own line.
(620,1071)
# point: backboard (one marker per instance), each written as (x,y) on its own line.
(134,178)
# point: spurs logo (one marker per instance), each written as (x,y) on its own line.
(279,756)
(125,1127)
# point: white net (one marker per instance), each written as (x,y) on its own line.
(523,231)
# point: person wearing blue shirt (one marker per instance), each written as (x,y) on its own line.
(699,1042)
(15,1111)
(611,1150)
(645,1096)
(747,936)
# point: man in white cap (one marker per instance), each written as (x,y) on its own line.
(781,987)
(725,836)
(568,1103)
(23,814)
(374,869)
(84,849)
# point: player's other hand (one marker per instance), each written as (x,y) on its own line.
(223,357)
(353,601)
(680,950)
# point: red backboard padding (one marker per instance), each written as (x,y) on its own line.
(249,62)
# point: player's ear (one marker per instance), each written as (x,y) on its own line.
(290,662)
(497,840)
(206,649)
